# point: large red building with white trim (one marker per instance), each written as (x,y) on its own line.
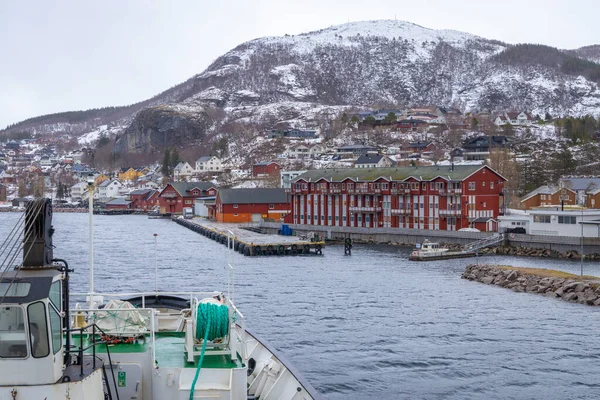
(430,197)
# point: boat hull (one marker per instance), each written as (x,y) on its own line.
(442,256)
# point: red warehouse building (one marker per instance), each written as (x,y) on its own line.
(179,195)
(265,169)
(430,197)
(144,199)
(252,205)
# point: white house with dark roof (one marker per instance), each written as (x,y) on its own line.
(109,189)
(514,118)
(182,171)
(373,161)
(208,164)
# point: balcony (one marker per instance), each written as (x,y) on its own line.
(400,211)
(450,192)
(364,209)
(450,212)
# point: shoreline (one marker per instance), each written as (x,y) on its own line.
(547,282)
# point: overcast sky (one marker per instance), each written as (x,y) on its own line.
(74,55)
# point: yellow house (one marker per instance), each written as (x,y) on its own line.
(99,179)
(129,174)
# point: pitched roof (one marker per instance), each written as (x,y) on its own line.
(140,191)
(119,201)
(184,187)
(255,195)
(545,189)
(425,173)
(266,163)
(368,159)
(204,159)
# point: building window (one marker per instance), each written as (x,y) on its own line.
(271,206)
(316,217)
(343,186)
(471,185)
(415,186)
(491,184)
(329,218)
(188,202)
(563,219)
(543,197)
(543,219)
(337,218)
(344,218)
(322,218)
(424,186)
(484,205)
(483,183)
(235,206)
(312,186)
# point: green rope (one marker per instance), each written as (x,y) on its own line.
(213,320)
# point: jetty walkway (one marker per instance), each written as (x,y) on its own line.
(251,243)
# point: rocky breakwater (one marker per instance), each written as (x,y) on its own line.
(551,283)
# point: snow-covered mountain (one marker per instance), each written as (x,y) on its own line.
(310,77)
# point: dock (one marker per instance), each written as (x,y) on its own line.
(251,243)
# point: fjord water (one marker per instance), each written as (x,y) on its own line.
(369,326)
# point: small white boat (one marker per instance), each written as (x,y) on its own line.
(428,251)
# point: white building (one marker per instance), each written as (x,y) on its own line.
(373,161)
(79,191)
(109,189)
(288,176)
(514,118)
(208,164)
(554,222)
(182,171)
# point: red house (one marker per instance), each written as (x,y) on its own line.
(265,169)
(143,199)
(118,204)
(430,197)
(178,195)
(247,205)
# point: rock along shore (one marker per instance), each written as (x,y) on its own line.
(555,284)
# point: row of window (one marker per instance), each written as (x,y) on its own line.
(271,206)
(385,186)
(562,219)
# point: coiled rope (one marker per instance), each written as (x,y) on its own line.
(213,320)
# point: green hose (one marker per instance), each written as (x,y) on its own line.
(213,320)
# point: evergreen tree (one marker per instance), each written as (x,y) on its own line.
(474,124)
(391,118)
(370,120)
(174,158)
(166,164)
(354,121)
(548,116)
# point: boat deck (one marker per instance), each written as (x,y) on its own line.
(169,351)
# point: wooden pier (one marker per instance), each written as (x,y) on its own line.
(251,243)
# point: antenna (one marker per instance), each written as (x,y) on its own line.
(155,263)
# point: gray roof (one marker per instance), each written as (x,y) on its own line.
(369,159)
(141,191)
(119,201)
(356,146)
(424,173)
(256,195)
(183,187)
(266,163)
(204,158)
(581,183)
(545,189)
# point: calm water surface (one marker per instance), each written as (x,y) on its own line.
(369,326)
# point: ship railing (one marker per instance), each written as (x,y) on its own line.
(90,314)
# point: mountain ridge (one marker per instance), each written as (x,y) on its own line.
(293,78)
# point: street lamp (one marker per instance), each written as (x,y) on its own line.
(581,222)
(90,182)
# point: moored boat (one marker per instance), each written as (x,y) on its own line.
(429,251)
(153,345)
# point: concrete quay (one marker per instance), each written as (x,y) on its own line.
(250,243)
